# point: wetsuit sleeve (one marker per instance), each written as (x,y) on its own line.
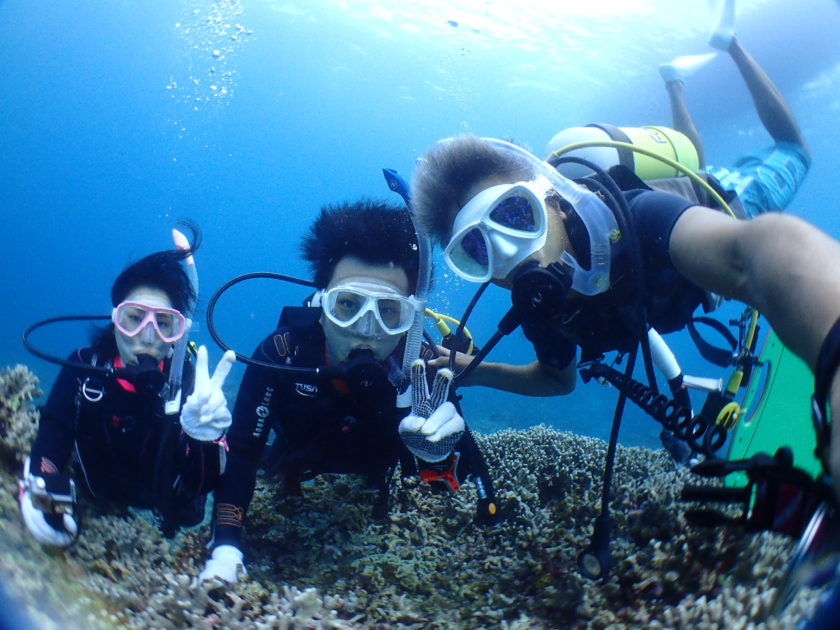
(670,298)
(654,215)
(56,428)
(254,413)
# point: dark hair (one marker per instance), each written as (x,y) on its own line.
(162,270)
(103,342)
(376,232)
(448,170)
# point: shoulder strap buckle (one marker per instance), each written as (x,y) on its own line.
(92,390)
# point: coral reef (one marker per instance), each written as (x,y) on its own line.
(320,561)
(18,419)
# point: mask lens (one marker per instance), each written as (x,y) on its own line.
(130,318)
(346,305)
(475,247)
(516,213)
(390,313)
(468,254)
(166,324)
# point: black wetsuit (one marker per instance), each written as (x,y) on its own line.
(320,427)
(125,448)
(605,322)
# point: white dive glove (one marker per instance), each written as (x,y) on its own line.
(205,415)
(46,504)
(434,426)
(225,563)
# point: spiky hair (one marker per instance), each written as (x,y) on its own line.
(448,170)
(375,232)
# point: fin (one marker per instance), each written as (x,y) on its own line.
(681,67)
(724,30)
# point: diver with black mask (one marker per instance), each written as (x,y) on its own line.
(116,409)
(331,381)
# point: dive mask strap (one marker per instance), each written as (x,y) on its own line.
(602,229)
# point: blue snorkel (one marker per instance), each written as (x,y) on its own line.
(487,508)
(414,337)
(397,183)
(176,367)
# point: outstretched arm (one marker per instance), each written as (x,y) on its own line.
(778,263)
(531,379)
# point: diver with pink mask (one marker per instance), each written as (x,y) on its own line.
(116,410)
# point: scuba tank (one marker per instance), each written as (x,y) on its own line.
(663,141)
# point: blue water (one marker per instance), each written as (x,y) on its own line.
(120,117)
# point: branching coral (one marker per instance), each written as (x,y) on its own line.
(428,565)
(18,419)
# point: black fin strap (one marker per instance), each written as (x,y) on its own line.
(828,361)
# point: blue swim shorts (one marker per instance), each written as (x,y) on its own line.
(766,180)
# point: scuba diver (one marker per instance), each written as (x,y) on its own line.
(758,182)
(332,398)
(594,271)
(116,409)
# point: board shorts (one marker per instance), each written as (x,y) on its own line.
(766,180)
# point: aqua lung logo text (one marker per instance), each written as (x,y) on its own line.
(262,411)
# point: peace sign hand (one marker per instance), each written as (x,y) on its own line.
(434,426)
(205,416)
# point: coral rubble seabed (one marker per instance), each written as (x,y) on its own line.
(320,561)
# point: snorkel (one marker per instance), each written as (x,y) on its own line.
(414,336)
(487,509)
(176,367)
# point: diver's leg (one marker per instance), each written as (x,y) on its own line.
(682,120)
(382,483)
(770,105)
(674,74)
(766,180)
